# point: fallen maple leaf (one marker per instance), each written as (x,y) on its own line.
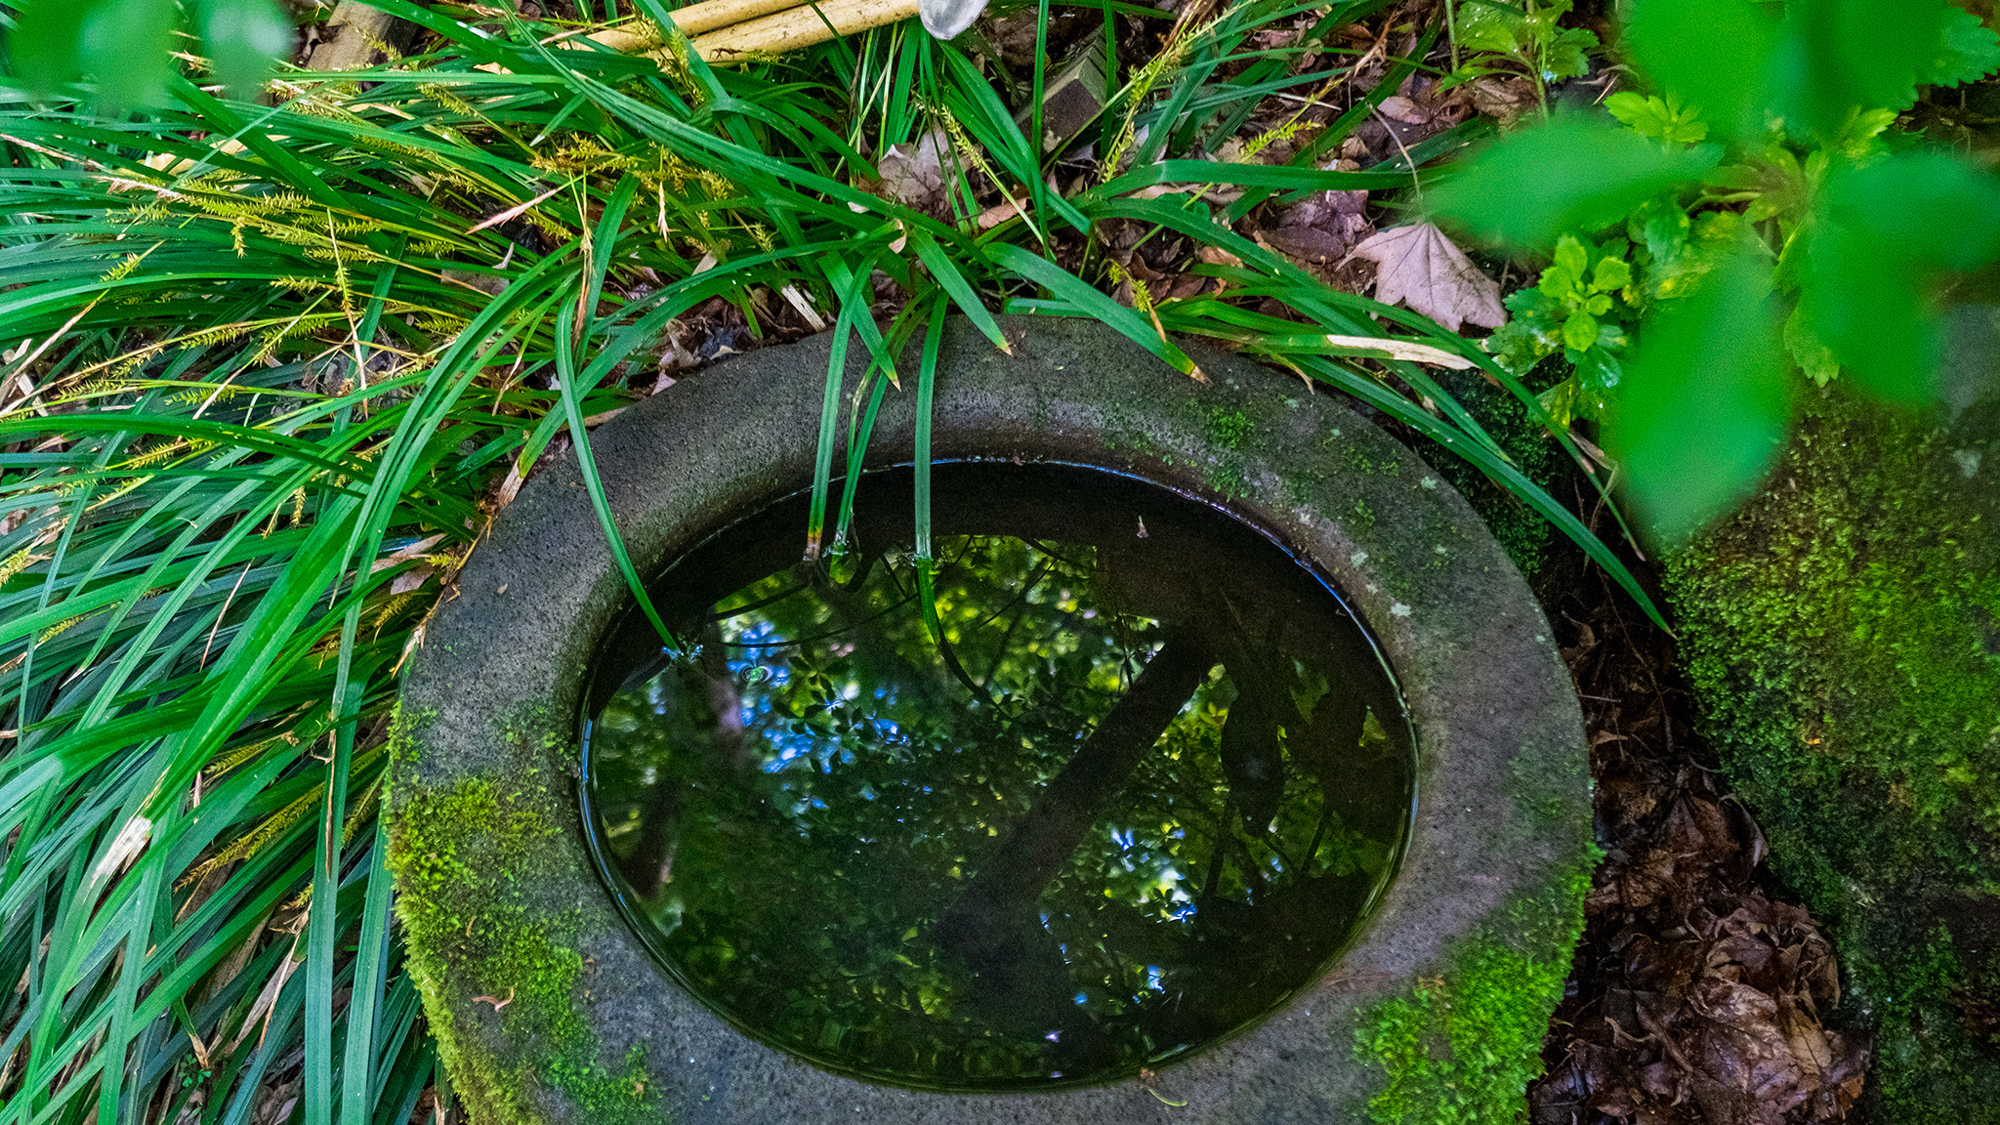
(1424,271)
(913,174)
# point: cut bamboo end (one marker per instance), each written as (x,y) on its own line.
(799,27)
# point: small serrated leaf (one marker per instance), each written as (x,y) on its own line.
(1569,54)
(1580,330)
(1630,108)
(1813,357)
(1610,274)
(1970,51)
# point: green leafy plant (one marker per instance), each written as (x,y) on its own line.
(1768,222)
(1521,37)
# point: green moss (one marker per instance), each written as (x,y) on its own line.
(1302,488)
(1364,516)
(1122,432)
(1927,1068)
(1842,635)
(1462,1047)
(1360,462)
(1227,477)
(1524,534)
(1226,428)
(471,859)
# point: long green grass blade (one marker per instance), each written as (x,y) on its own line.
(1090,302)
(924,557)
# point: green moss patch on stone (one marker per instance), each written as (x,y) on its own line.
(1461,1048)
(1227,428)
(1842,635)
(1527,537)
(470,858)
(1123,431)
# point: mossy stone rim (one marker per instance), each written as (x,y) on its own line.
(548,1008)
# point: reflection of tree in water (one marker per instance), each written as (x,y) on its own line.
(1123,816)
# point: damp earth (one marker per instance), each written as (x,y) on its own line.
(1137,783)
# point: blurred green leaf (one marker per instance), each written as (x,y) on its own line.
(1702,406)
(1714,56)
(1573,174)
(124,46)
(241,38)
(1971,51)
(1882,236)
(1929,207)
(43,47)
(1839,56)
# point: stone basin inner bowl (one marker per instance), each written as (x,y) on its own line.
(549,1007)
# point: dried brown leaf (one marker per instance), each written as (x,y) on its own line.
(1424,270)
(913,173)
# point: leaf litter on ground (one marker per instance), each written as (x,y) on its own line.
(1696,996)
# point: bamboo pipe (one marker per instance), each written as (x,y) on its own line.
(712,14)
(692,20)
(798,27)
(751,31)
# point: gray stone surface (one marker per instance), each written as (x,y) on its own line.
(1503,794)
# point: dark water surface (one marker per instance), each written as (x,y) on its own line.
(1146,789)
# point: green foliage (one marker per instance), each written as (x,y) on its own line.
(1803,194)
(1519,37)
(1580,308)
(124,46)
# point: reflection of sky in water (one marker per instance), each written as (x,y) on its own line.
(759,666)
(807,895)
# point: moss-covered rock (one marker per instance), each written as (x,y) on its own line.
(1463,1046)
(471,859)
(1842,634)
